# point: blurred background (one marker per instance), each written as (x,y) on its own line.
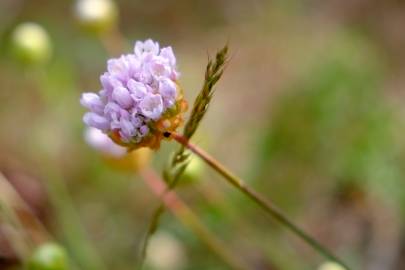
(309,112)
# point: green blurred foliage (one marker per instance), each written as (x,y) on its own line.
(309,110)
(335,125)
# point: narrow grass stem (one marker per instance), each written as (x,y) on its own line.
(72,229)
(264,203)
(188,218)
(152,227)
(15,233)
(9,196)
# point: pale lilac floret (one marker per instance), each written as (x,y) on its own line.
(152,106)
(144,130)
(159,67)
(137,89)
(147,47)
(122,96)
(94,120)
(92,102)
(167,88)
(127,130)
(168,54)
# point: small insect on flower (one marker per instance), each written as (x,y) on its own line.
(140,99)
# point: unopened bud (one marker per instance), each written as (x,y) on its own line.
(331,266)
(116,155)
(31,44)
(96,16)
(49,256)
(194,170)
(165,252)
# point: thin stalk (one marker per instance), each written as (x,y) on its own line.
(264,203)
(15,233)
(32,228)
(19,237)
(15,203)
(189,219)
(65,212)
(73,231)
(153,226)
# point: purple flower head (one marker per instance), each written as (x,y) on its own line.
(137,90)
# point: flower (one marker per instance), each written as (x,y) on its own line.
(116,155)
(31,43)
(140,98)
(48,256)
(102,143)
(330,266)
(194,170)
(165,252)
(96,16)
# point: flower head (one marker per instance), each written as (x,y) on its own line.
(48,256)
(31,43)
(330,266)
(96,16)
(166,252)
(140,98)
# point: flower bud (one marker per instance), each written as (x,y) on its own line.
(102,143)
(96,16)
(31,44)
(194,170)
(165,252)
(331,266)
(49,256)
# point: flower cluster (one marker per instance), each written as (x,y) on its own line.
(140,98)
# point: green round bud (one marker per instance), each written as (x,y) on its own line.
(331,266)
(49,256)
(31,44)
(96,16)
(194,170)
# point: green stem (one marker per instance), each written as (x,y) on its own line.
(267,205)
(18,237)
(188,218)
(152,227)
(75,234)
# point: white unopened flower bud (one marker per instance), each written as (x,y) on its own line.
(96,16)
(102,143)
(116,155)
(49,256)
(194,170)
(165,252)
(31,43)
(331,266)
